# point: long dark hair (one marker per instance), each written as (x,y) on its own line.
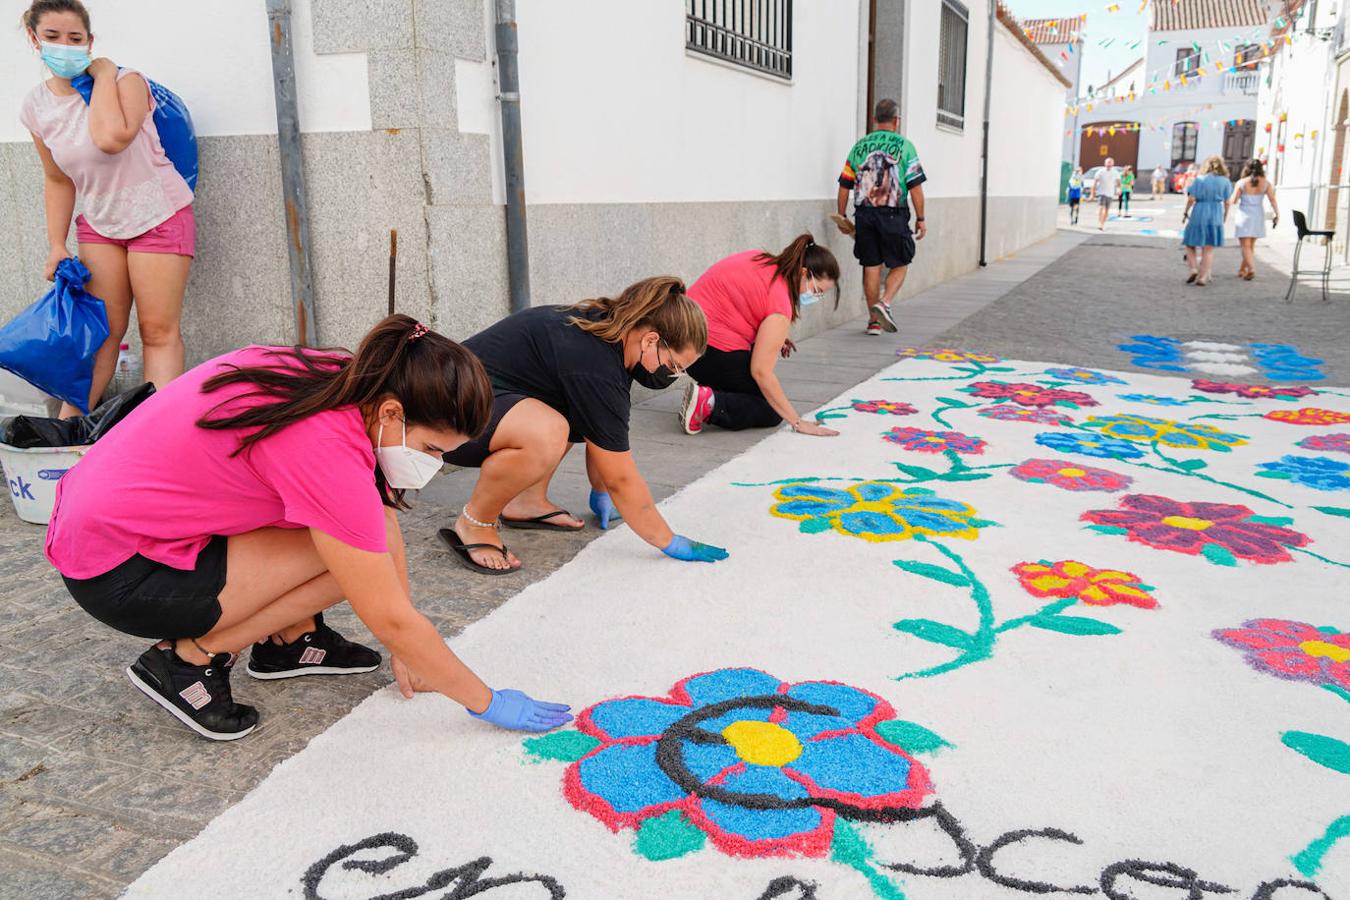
(1255,170)
(658,303)
(802,253)
(439,383)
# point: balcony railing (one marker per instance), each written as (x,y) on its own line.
(1241,83)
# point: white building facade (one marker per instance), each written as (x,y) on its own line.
(708,128)
(1061,40)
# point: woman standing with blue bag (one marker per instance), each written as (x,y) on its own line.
(136,232)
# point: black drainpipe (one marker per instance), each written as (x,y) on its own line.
(513,153)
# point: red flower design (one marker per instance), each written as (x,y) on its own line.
(1309,415)
(1070,476)
(1095,587)
(1254,391)
(934,441)
(892,407)
(1025,394)
(1293,650)
(1188,527)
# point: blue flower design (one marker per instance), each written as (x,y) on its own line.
(1318,472)
(1084,376)
(1153,399)
(876,511)
(1088,445)
(737,752)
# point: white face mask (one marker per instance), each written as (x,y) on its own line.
(404,468)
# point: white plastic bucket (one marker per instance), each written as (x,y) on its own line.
(19,398)
(31,477)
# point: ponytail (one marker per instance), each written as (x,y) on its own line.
(439,383)
(802,253)
(1254,169)
(659,304)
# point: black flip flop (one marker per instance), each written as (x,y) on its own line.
(461,551)
(542,523)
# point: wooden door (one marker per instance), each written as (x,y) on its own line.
(1239,139)
(1096,146)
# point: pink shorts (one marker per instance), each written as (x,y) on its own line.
(176,234)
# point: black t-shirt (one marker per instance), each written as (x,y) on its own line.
(538,353)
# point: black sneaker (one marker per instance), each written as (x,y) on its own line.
(198,696)
(321,652)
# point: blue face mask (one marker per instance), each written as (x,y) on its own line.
(65,60)
(806,298)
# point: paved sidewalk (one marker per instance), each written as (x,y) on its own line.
(96,784)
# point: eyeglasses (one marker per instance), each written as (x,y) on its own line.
(670,354)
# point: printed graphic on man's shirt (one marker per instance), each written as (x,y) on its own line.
(880,170)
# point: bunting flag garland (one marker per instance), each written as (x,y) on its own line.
(1113,8)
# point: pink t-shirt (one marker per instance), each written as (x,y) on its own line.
(122,195)
(161,486)
(737,294)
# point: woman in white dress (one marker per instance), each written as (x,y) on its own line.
(1248,199)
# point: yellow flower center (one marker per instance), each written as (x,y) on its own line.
(762,743)
(1072,473)
(1321,648)
(1187,522)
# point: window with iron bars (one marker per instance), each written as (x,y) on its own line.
(756,34)
(1188,60)
(951,105)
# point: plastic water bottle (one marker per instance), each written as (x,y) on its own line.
(127,374)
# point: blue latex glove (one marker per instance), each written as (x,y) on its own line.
(520,712)
(682,548)
(604,509)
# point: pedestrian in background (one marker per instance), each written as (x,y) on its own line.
(1249,217)
(137,235)
(751,300)
(1126,188)
(1204,217)
(882,172)
(1159,180)
(1105,187)
(1075,193)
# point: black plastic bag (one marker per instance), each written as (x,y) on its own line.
(33,431)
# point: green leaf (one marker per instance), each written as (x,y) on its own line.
(1219,555)
(1323,750)
(823,416)
(984,523)
(965,476)
(1108,529)
(910,736)
(1271,520)
(1191,465)
(948,401)
(928,570)
(1068,404)
(814,525)
(560,746)
(998,368)
(1283,476)
(667,836)
(1333,511)
(919,490)
(935,632)
(916,471)
(1074,625)
(1143,587)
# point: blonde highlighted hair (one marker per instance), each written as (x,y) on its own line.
(1214,166)
(657,304)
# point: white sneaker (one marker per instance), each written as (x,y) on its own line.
(882,315)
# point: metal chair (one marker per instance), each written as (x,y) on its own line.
(1301,225)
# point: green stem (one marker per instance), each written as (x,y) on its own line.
(803,480)
(1204,477)
(820,413)
(984,638)
(1338,691)
(1330,562)
(1227,417)
(937,416)
(1309,859)
(1049,609)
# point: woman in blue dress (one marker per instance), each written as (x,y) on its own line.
(1206,212)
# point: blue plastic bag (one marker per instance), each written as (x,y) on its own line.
(172,121)
(52,343)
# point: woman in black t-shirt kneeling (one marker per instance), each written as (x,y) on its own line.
(561,375)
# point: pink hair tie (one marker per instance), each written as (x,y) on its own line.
(419,330)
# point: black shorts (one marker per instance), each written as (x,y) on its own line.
(471,454)
(883,237)
(152,600)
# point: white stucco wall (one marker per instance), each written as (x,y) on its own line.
(220,64)
(688,129)
(1026,122)
(950,157)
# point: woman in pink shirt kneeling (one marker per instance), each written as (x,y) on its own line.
(751,300)
(246,497)
(136,232)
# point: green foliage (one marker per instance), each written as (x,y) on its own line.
(935,632)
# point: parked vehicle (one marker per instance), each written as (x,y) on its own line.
(1181,177)
(1089,181)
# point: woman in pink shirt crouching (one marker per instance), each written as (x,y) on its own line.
(136,232)
(751,300)
(235,505)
